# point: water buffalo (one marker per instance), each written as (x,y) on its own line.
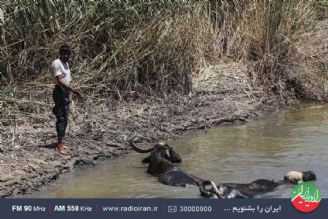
(161,164)
(249,190)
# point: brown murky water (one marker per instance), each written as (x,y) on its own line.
(295,139)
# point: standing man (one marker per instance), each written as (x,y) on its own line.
(62,95)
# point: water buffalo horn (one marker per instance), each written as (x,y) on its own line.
(134,147)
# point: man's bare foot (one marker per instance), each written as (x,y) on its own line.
(63,150)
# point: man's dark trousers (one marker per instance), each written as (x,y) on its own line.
(61,109)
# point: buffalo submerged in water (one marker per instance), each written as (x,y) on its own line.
(255,188)
(162,164)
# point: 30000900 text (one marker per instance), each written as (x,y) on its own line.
(195,208)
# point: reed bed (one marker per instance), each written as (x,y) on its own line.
(130,49)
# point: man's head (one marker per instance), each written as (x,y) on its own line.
(65,52)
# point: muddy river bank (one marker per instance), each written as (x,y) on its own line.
(31,166)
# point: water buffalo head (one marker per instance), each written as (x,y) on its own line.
(209,189)
(163,150)
(294,176)
(160,151)
(237,190)
(161,157)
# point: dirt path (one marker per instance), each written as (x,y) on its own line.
(223,95)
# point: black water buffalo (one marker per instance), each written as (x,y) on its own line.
(249,190)
(161,164)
